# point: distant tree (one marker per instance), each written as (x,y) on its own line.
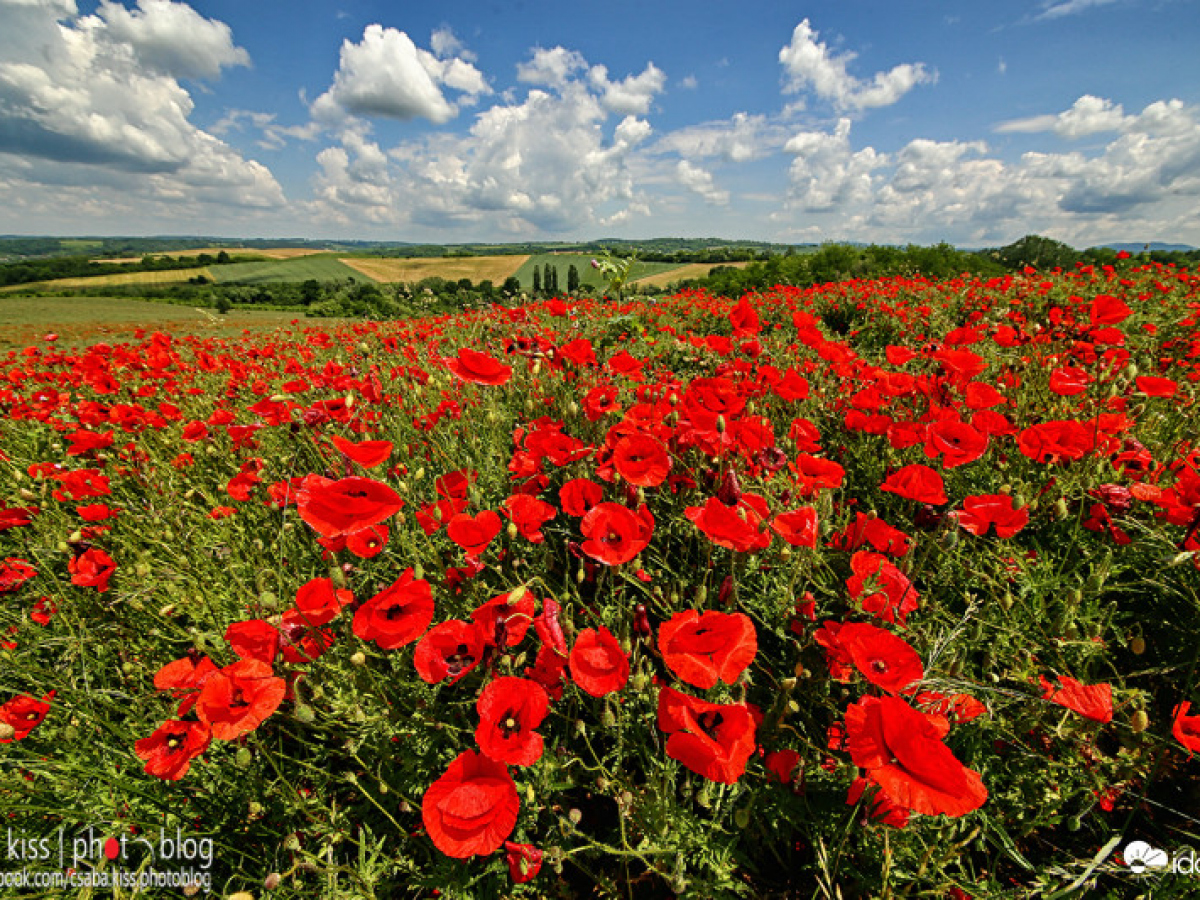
(310,291)
(486,288)
(537,281)
(223,304)
(223,258)
(572,279)
(512,285)
(464,284)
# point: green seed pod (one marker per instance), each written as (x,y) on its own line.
(1060,508)
(741,819)
(1006,602)
(575,816)
(304,713)
(1137,646)
(1140,721)
(243,758)
(338,577)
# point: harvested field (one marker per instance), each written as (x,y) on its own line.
(452,268)
(167,276)
(681,273)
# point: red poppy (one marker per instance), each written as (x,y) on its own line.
(43,611)
(16,516)
(871,530)
(449,650)
(1054,442)
(474,533)
(702,648)
(529,514)
(904,755)
(916,482)
(880,808)
(299,640)
(883,659)
(1186,728)
(1108,310)
(579,495)
(798,527)
(813,473)
(24,714)
(614,534)
(1153,386)
(641,460)
(711,739)
(169,751)
(369,542)
(509,709)
(741,528)
(398,614)
(184,678)
(237,699)
(505,618)
(782,764)
(882,588)
(338,508)
(958,707)
(472,808)
(956,442)
(744,319)
(93,568)
(1069,381)
(524,861)
(319,602)
(367,454)
(478,368)
(982,513)
(15,573)
(598,664)
(1092,701)
(253,639)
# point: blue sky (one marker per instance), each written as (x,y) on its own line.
(467,120)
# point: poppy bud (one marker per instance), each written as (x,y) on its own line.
(304,713)
(243,758)
(1137,646)
(721,424)
(575,816)
(730,491)
(1060,508)
(741,818)
(512,531)
(641,621)
(7,732)
(726,594)
(358,659)
(1140,721)
(272,881)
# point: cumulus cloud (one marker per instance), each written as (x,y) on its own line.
(1089,115)
(387,75)
(174,39)
(701,182)
(632,95)
(1146,179)
(552,68)
(81,90)
(810,65)
(741,138)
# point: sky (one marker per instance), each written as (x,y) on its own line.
(884,121)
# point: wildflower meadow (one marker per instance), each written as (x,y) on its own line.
(875,588)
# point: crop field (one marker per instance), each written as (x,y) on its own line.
(682,273)
(476,268)
(881,588)
(582,262)
(321,267)
(24,321)
(266,253)
(169,276)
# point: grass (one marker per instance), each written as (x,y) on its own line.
(582,262)
(681,273)
(169,276)
(320,267)
(477,268)
(24,320)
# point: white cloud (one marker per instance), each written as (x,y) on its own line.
(826,172)
(809,64)
(741,138)
(77,92)
(701,182)
(1089,115)
(388,75)
(1055,10)
(553,68)
(632,95)
(444,43)
(174,39)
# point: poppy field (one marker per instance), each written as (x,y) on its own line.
(883,588)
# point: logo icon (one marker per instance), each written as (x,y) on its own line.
(1140,856)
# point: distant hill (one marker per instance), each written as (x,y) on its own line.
(1153,246)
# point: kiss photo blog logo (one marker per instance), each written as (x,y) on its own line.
(1141,858)
(90,847)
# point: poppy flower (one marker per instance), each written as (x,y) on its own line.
(509,709)
(478,368)
(184,678)
(369,542)
(880,808)
(529,514)
(299,640)
(881,588)
(14,573)
(237,699)
(1092,701)
(814,473)
(474,533)
(1056,441)
(24,714)
(579,495)
(367,454)
(957,707)
(905,757)
(598,664)
(641,460)
(883,659)
(505,618)
(338,508)
(782,764)
(711,739)
(744,319)
(615,534)
(169,751)
(956,442)
(1108,310)
(43,611)
(871,530)
(319,602)
(524,861)
(397,615)
(253,639)
(472,808)
(798,527)
(740,528)
(449,650)
(916,482)
(702,648)
(16,516)
(982,513)
(92,568)
(1186,728)
(1153,386)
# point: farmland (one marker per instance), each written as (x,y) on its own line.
(476,268)
(718,596)
(682,273)
(583,264)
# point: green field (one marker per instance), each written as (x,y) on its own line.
(320,267)
(583,262)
